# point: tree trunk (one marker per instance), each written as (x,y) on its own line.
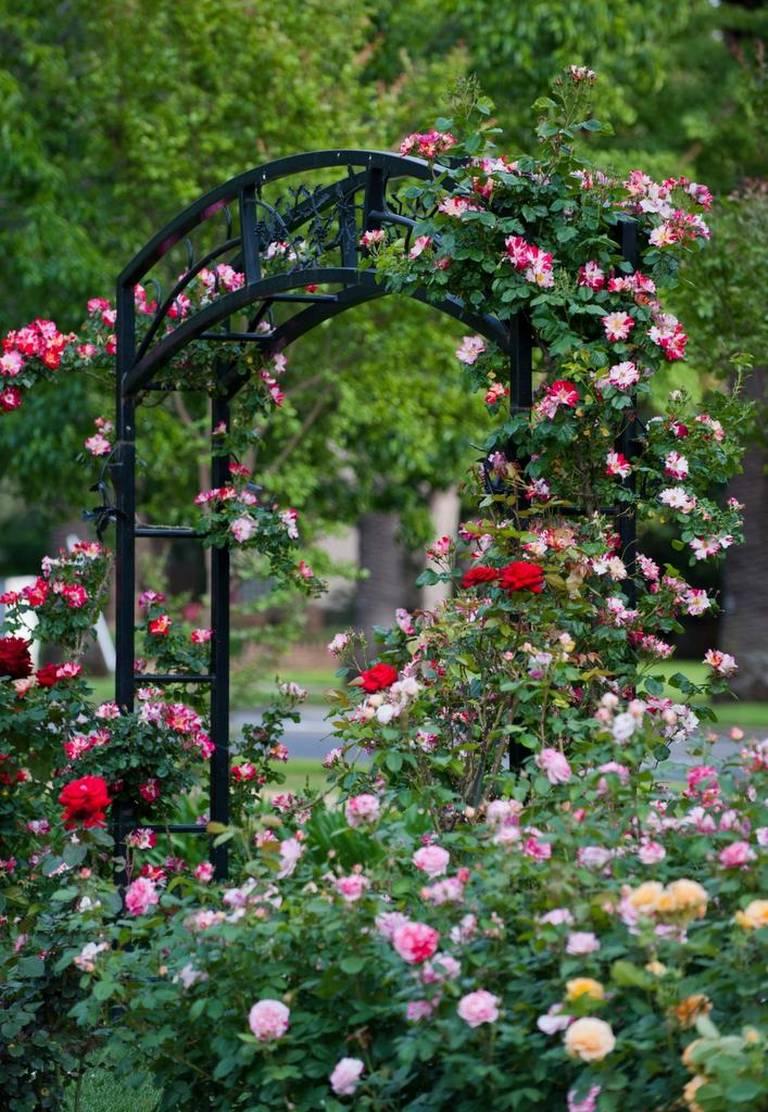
(445,508)
(385,588)
(744,625)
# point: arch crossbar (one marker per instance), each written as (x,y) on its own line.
(293,229)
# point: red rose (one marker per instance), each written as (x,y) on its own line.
(378,678)
(522,576)
(48,676)
(160,627)
(479,574)
(15,660)
(84,802)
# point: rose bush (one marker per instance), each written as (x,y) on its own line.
(506,902)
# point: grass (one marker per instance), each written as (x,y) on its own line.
(730,712)
(302,770)
(99,1092)
(316,680)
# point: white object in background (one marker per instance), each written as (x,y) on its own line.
(18,583)
(103,636)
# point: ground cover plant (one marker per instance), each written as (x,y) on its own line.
(503,905)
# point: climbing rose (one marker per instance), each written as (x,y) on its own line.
(243,528)
(471,348)
(722,663)
(478,575)
(160,627)
(84,802)
(617,464)
(377,678)
(346,1076)
(269,1019)
(140,896)
(479,1007)
(415,942)
(10,399)
(15,660)
(618,325)
(522,576)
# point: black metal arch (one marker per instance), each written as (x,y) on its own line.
(321,225)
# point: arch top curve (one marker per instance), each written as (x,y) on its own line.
(290,253)
(391,165)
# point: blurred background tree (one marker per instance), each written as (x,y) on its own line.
(116,114)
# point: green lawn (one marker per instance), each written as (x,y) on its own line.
(730,712)
(99,1093)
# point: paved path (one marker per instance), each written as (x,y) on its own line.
(311,737)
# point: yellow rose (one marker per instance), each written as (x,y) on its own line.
(754,915)
(645,899)
(584,986)
(687,898)
(688,1011)
(689,1092)
(589,1039)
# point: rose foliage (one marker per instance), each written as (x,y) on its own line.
(507,897)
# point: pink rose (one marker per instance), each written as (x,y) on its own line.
(443,967)
(269,1019)
(554,1021)
(554,765)
(650,853)
(291,850)
(415,942)
(388,922)
(243,528)
(479,1007)
(432,860)
(736,855)
(540,851)
(352,887)
(587,1103)
(557,916)
(418,1010)
(346,1076)
(582,942)
(140,896)
(361,809)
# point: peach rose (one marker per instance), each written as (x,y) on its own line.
(690,1090)
(584,986)
(754,915)
(691,1008)
(589,1039)
(684,897)
(645,898)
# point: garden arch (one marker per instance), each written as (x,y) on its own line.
(317,205)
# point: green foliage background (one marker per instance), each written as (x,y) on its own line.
(119,112)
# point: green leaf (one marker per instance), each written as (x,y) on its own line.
(31,967)
(744,1089)
(629,975)
(352,964)
(394,761)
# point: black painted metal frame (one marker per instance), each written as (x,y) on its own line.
(362,197)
